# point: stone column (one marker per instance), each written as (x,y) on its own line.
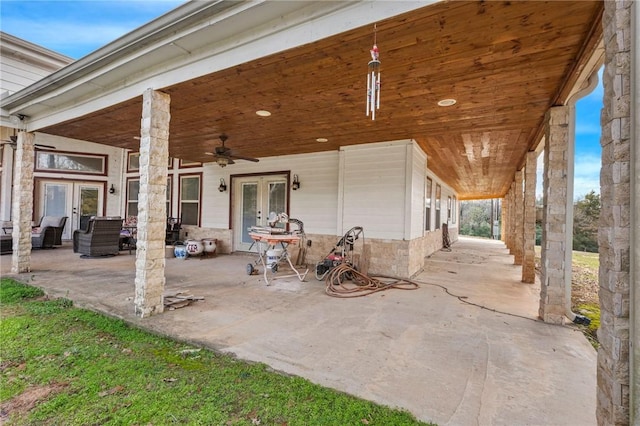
(557,218)
(618,254)
(518,228)
(504,209)
(512,218)
(634,281)
(154,155)
(529,219)
(507,219)
(22,204)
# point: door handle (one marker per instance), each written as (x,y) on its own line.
(259,215)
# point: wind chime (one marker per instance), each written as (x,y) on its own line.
(373,79)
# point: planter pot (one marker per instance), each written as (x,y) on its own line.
(180,251)
(209,245)
(194,247)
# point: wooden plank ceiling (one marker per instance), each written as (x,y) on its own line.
(505,63)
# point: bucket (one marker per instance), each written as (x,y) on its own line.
(273,255)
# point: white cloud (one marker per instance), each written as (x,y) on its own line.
(70,34)
(586,175)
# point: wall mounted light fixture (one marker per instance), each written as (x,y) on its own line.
(112,190)
(223,185)
(295,185)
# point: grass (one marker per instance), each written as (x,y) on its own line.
(586,260)
(584,290)
(64,365)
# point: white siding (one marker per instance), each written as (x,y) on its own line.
(373,189)
(315,203)
(17,74)
(417,184)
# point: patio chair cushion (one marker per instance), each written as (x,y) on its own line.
(49,232)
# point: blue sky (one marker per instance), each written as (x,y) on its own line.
(76,28)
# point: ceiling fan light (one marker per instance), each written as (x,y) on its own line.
(222,162)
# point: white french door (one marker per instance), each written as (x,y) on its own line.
(76,200)
(254,198)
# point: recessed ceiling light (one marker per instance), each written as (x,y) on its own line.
(446,102)
(322,140)
(263,113)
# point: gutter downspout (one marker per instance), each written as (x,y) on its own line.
(587,88)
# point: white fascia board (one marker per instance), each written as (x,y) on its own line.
(232,45)
(376,145)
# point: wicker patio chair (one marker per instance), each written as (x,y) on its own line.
(49,232)
(101,238)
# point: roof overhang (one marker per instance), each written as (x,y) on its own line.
(506,63)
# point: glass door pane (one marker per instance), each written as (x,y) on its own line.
(55,199)
(88,202)
(249,212)
(277,199)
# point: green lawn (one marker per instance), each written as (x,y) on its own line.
(586,260)
(66,366)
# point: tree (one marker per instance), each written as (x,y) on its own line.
(586,214)
(475,218)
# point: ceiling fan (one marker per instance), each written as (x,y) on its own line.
(13,141)
(223,155)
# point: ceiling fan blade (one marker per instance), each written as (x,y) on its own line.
(240,157)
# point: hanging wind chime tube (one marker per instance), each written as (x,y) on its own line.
(373,79)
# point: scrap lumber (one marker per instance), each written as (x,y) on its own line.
(178,300)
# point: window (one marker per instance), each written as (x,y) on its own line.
(187,163)
(47,161)
(169,196)
(454,209)
(428,203)
(438,195)
(448,209)
(190,199)
(133,162)
(133,189)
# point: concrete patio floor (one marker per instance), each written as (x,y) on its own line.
(423,350)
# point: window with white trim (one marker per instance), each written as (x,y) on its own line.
(428,203)
(190,190)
